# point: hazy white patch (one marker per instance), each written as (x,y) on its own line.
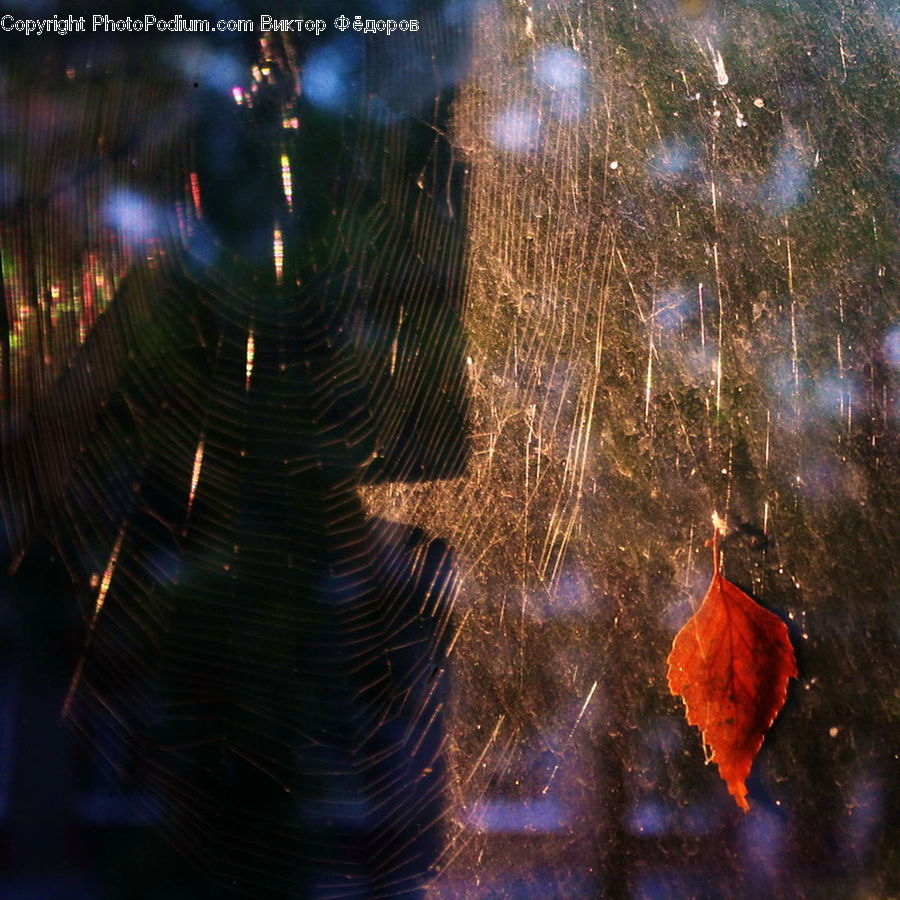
(328,78)
(833,394)
(673,308)
(892,347)
(135,217)
(672,160)
(517,128)
(788,178)
(559,67)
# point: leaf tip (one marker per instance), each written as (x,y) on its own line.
(738,790)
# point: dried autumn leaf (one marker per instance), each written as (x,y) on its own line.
(731,663)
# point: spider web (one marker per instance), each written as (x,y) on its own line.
(262,662)
(461,391)
(679,299)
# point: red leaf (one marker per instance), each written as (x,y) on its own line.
(731,663)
